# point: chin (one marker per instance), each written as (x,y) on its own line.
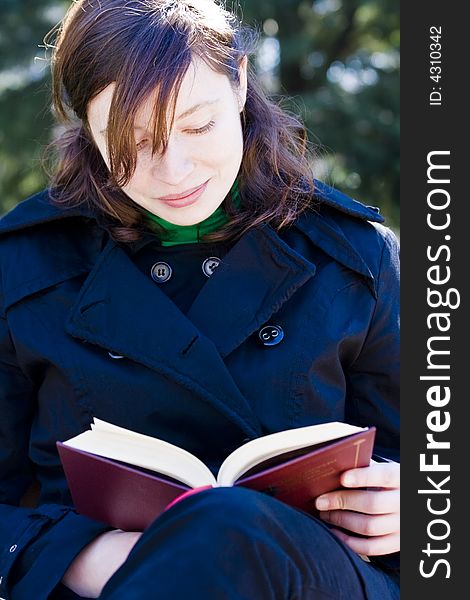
(187,222)
(190,219)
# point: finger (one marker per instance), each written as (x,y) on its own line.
(368,525)
(373,546)
(371,502)
(384,475)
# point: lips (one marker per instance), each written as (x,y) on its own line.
(184,195)
(184,201)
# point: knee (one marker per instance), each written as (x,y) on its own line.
(232,507)
(231,498)
(224,501)
(253,517)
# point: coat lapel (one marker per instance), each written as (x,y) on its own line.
(257,276)
(124,311)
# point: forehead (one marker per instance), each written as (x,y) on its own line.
(200,86)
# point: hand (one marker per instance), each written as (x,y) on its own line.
(98,561)
(373,513)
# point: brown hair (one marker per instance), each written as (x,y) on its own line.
(146,46)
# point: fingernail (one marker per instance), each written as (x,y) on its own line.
(322,503)
(349,480)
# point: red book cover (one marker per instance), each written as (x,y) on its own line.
(123,496)
(300,480)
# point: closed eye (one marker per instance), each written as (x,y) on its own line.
(141,145)
(204,129)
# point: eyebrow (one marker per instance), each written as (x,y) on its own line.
(184,114)
(196,107)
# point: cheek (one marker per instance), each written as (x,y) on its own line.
(227,145)
(104,153)
(138,179)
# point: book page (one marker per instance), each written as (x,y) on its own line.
(118,443)
(260,449)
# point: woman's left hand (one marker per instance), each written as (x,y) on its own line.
(373,513)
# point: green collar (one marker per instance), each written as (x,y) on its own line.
(172,234)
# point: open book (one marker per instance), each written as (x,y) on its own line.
(126,479)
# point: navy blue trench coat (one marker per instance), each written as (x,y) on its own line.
(71,300)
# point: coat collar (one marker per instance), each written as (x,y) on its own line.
(37,210)
(332,197)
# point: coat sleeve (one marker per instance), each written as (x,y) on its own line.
(374,379)
(36,545)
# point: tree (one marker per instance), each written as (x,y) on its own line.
(339,62)
(25,118)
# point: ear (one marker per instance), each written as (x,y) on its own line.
(243,77)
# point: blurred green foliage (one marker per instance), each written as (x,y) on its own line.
(333,62)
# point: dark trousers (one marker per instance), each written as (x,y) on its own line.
(236,544)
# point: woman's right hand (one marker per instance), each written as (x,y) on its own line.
(98,561)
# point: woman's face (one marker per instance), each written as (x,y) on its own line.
(205,146)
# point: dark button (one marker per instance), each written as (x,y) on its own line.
(161,272)
(210,265)
(271,335)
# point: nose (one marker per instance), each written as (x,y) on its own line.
(175,166)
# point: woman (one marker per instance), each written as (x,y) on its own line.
(185,277)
